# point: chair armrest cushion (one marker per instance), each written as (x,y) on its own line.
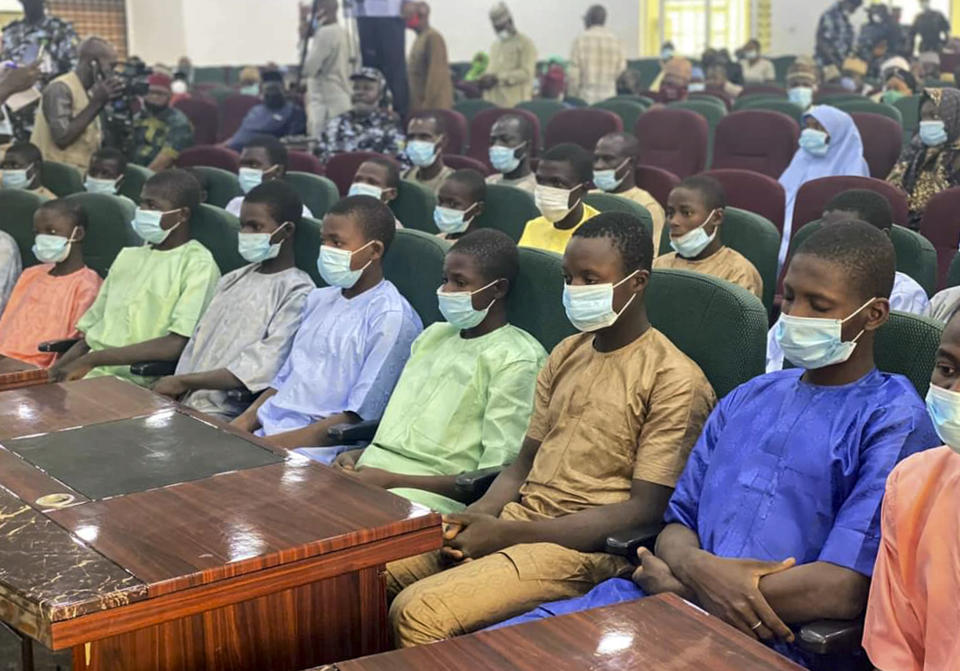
(830,637)
(154,368)
(474,484)
(58,346)
(626,543)
(345,434)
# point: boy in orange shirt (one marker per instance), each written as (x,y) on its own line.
(48,299)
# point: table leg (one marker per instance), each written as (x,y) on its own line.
(26,647)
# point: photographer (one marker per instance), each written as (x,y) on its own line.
(68,129)
(160,132)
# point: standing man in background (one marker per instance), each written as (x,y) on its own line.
(431,86)
(382,42)
(932,27)
(160,131)
(513,62)
(596,60)
(326,70)
(835,34)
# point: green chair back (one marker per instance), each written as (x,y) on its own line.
(16,219)
(867,105)
(752,99)
(721,326)
(628,110)
(306,248)
(134,178)
(507,209)
(759,241)
(574,101)
(835,99)
(953,273)
(608,202)
(415,266)
(793,111)
(318,193)
(414,206)
(907,344)
(61,178)
(781,64)
(109,228)
(648,68)
(217,230)
(220,93)
(646,101)
(535,303)
(916,256)
(472,106)
(222,186)
(712,111)
(909,107)
(545,110)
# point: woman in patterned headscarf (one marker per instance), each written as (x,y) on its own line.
(931,163)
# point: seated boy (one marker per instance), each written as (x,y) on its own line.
(10,267)
(378,177)
(22,167)
(563,179)
(353,342)
(154,295)
(912,612)
(775,522)
(460,202)
(616,411)
(49,298)
(870,207)
(105,174)
(244,336)
(695,211)
(511,139)
(264,158)
(465,396)
(426,140)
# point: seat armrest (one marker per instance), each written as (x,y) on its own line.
(346,434)
(154,368)
(831,637)
(57,346)
(626,543)
(474,484)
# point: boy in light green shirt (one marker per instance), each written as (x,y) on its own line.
(154,295)
(465,396)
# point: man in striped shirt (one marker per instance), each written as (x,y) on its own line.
(596,60)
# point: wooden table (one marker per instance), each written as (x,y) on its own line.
(15,374)
(145,538)
(660,632)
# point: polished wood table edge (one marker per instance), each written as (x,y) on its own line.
(21,379)
(176,605)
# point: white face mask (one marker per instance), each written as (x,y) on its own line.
(335,266)
(554,203)
(364,189)
(692,243)
(816,342)
(179,87)
(943,405)
(457,307)
(589,307)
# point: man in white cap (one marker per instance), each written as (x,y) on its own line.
(513,62)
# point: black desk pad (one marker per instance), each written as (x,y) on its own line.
(134,455)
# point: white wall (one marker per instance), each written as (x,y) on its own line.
(793,25)
(156,30)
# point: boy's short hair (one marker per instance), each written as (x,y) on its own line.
(179,187)
(393,172)
(282,201)
(110,154)
(576,156)
(714,197)
(865,253)
(69,209)
(868,206)
(474,181)
(376,219)
(28,151)
(495,252)
(627,234)
(275,149)
(524,124)
(437,119)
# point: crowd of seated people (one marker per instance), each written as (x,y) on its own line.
(617,427)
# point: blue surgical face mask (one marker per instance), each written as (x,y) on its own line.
(52,248)
(146,223)
(256,247)
(457,307)
(801,96)
(452,221)
(589,307)
(250,178)
(933,133)
(334,266)
(848,84)
(364,189)
(105,186)
(505,159)
(17,179)
(421,153)
(944,408)
(692,243)
(696,87)
(250,90)
(606,180)
(814,142)
(815,342)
